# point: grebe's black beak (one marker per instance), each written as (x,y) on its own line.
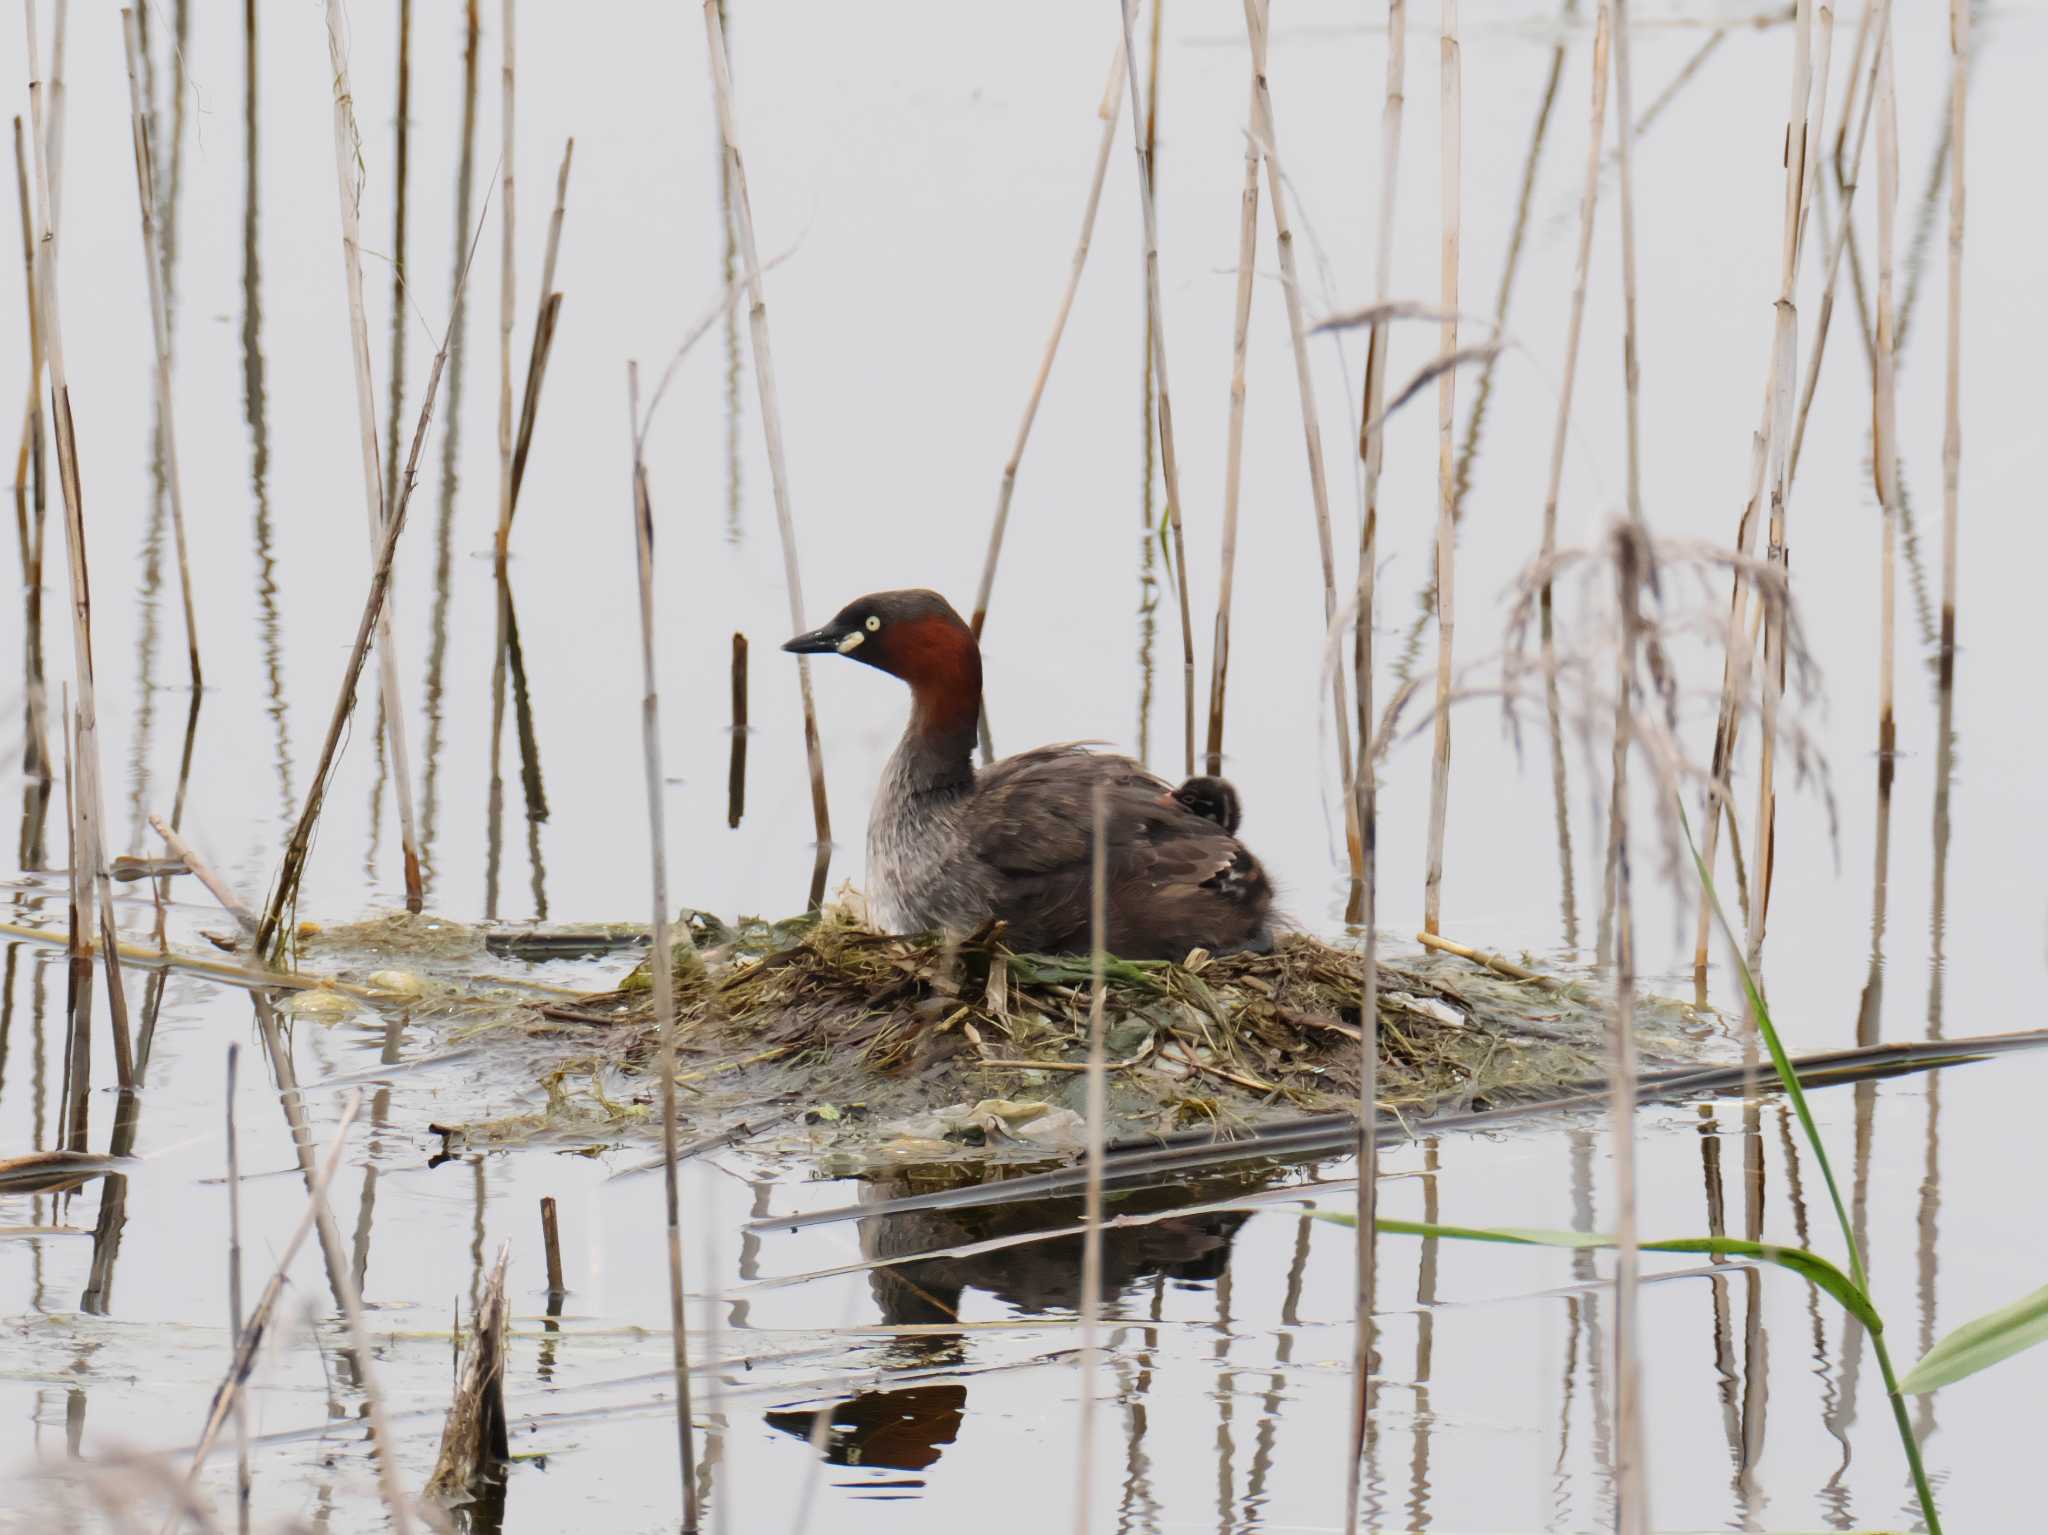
(830,640)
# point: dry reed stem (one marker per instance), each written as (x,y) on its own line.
(1884,453)
(160,336)
(217,887)
(348,184)
(1450,147)
(508,285)
(1843,238)
(1631,362)
(544,322)
(1777,432)
(1233,451)
(235,1293)
(1091,1239)
(270,931)
(250,1337)
(1155,324)
(87,804)
(1108,111)
(662,967)
(1588,200)
(1363,786)
(1735,665)
(771,407)
(31,519)
(1266,141)
(1952,430)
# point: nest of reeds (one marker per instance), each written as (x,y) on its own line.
(895,1024)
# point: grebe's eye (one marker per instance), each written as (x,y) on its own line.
(874,623)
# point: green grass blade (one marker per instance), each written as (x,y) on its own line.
(1780,1061)
(1797,1260)
(1980,1344)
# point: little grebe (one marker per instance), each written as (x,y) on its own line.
(950,848)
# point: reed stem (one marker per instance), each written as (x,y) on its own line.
(544,322)
(348,184)
(1624,136)
(1588,200)
(87,806)
(1364,786)
(1233,452)
(160,334)
(1952,431)
(771,408)
(663,961)
(508,276)
(1450,149)
(1265,141)
(1155,321)
(1110,108)
(251,1334)
(270,931)
(1884,413)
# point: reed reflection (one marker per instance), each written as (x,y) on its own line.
(255,413)
(451,444)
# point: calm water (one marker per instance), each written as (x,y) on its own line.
(924,169)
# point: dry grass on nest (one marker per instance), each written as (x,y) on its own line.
(1235,1035)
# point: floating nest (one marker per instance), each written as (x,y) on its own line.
(858,1027)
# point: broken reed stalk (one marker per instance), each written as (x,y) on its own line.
(1155,322)
(1884,453)
(1735,665)
(544,322)
(508,273)
(1449,169)
(736,773)
(160,333)
(1632,553)
(250,1335)
(551,1247)
(1266,142)
(1233,452)
(475,1439)
(1952,431)
(87,805)
(217,887)
(1091,1239)
(348,184)
(1364,790)
(235,1293)
(1624,135)
(1109,109)
(1588,201)
(662,963)
(771,408)
(270,931)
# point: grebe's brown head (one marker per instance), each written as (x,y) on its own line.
(914,635)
